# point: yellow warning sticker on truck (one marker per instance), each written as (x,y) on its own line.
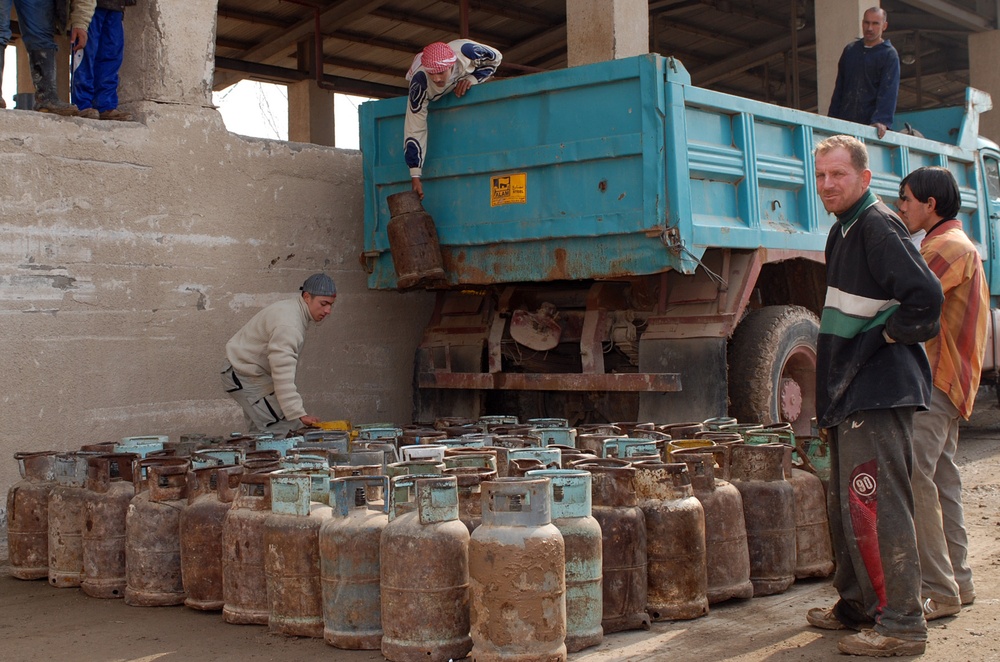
(509,189)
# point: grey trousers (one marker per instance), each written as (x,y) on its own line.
(871,524)
(261,410)
(937,504)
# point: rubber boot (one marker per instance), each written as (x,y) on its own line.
(43,75)
(3,49)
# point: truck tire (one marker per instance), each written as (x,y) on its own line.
(772,367)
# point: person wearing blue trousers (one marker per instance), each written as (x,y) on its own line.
(95,80)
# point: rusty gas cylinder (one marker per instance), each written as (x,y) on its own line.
(517,571)
(623,544)
(519,467)
(66,502)
(413,242)
(291,557)
(420,434)
(769,513)
(349,563)
(153,533)
(480,458)
(555,435)
(572,515)
(675,542)
(424,574)
(244,587)
(631,449)
(727,557)
(718,423)
(28,515)
(109,490)
(551,458)
(470,493)
(813,548)
(211,491)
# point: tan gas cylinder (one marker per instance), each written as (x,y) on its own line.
(424,552)
(623,531)
(675,542)
(413,242)
(769,513)
(727,556)
(65,507)
(470,493)
(517,568)
(28,515)
(153,535)
(211,490)
(244,586)
(299,507)
(813,547)
(109,490)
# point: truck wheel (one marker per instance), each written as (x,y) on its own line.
(772,367)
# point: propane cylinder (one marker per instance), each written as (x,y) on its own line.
(769,513)
(631,449)
(675,542)
(110,489)
(413,242)
(554,432)
(551,458)
(244,587)
(424,552)
(28,515)
(727,557)
(211,491)
(572,515)
(517,571)
(623,544)
(470,494)
(519,467)
(291,558)
(349,563)
(66,501)
(479,458)
(813,548)
(153,535)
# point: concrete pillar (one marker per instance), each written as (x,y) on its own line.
(310,113)
(310,107)
(838,23)
(599,30)
(169,52)
(984,53)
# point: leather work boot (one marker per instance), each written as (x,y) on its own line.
(872,644)
(90,114)
(116,115)
(43,75)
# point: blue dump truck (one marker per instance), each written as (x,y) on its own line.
(620,245)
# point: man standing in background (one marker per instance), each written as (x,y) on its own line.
(868,76)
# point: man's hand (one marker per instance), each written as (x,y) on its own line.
(417,187)
(78,39)
(462,87)
(309,421)
(881,128)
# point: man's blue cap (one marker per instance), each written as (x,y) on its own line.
(319,285)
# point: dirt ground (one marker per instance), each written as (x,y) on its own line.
(38,622)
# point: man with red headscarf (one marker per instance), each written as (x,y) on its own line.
(436,71)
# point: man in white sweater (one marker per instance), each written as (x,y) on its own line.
(261,358)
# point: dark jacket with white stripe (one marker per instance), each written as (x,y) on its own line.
(877,286)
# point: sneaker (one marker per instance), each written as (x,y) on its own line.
(90,114)
(934,610)
(872,644)
(116,115)
(968,596)
(824,618)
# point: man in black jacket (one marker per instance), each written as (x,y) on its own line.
(871,375)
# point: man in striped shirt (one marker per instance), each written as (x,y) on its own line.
(871,375)
(929,200)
